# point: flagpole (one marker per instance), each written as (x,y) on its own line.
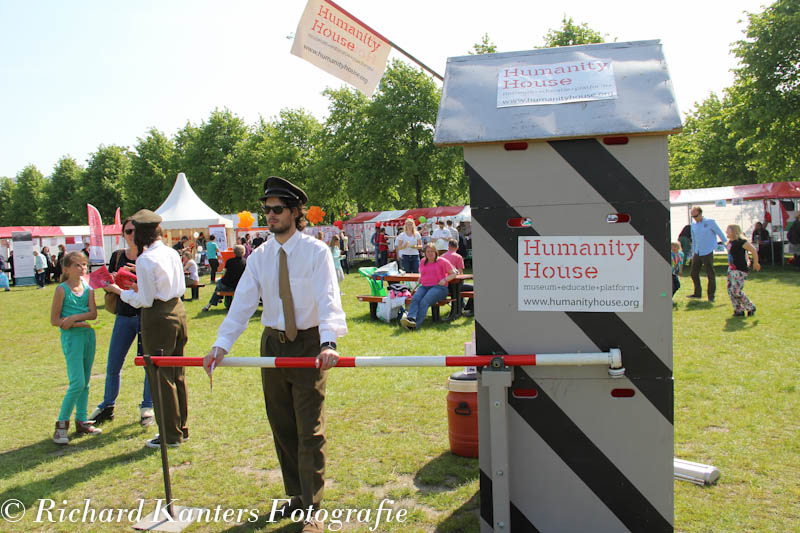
(393,45)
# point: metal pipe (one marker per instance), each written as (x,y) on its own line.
(611,358)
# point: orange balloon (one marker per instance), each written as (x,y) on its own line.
(315,214)
(246,219)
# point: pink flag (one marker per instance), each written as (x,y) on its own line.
(96,255)
(117,225)
(784,214)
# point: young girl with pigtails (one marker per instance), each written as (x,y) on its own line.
(73,305)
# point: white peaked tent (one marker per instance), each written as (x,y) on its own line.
(183,209)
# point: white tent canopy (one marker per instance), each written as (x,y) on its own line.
(184,209)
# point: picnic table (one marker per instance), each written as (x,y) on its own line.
(456,283)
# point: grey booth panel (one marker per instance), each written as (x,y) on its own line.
(582,460)
(542,173)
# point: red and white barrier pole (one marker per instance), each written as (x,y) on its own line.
(612,358)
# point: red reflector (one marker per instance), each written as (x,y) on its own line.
(516,146)
(618,218)
(615,140)
(519,222)
(525,393)
(622,393)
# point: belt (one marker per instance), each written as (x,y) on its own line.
(281,335)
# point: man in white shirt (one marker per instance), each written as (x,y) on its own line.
(303,319)
(440,237)
(159,287)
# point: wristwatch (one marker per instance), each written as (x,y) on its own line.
(329,344)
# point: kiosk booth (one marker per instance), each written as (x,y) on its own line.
(566,153)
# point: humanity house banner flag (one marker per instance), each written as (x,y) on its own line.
(338,43)
(96,255)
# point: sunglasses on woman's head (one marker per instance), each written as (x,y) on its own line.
(277,209)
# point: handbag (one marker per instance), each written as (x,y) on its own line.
(111,300)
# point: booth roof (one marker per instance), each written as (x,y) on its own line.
(756,191)
(184,209)
(469,110)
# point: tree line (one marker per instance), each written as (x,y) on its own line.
(369,154)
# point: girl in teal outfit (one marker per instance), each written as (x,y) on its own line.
(73,305)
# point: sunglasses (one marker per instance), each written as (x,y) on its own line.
(277,209)
(129,231)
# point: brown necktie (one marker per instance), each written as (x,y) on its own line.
(285,292)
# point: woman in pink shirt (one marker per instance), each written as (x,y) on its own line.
(434,275)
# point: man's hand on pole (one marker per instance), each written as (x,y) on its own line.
(327,358)
(213,358)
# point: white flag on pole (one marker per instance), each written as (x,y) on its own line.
(340,44)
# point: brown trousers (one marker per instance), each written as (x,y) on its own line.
(164,328)
(295,402)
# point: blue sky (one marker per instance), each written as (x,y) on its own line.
(77,74)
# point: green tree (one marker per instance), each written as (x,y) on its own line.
(380,151)
(407,168)
(767,90)
(60,193)
(704,154)
(151,175)
(27,198)
(486,46)
(290,147)
(245,169)
(6,196)
(102,182)
(342,149)
(206,153)
(570,34)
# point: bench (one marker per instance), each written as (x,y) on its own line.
(375,300)
(195,291)
(228,297)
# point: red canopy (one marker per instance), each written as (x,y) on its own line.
(360,218)
(54,231)
(427,212)
(755,191)
(36,231)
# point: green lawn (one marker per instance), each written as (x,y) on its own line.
(736,406)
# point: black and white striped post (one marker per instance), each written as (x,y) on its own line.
(566,153)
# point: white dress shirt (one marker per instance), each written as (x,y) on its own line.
(441,236)
(315,291)
(159,276)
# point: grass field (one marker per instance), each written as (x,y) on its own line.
(737,406)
